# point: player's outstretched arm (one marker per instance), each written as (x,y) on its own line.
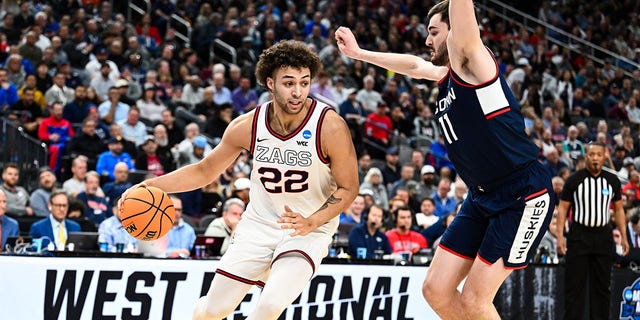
(406,64)
(467,54)
(337,146)
(235,138)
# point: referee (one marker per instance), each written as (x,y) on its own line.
(589,245)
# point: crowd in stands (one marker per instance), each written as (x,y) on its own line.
(113,98)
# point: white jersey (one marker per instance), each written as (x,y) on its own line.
(289,170)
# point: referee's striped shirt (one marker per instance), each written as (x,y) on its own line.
(591,197)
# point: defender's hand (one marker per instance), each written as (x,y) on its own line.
(347,43)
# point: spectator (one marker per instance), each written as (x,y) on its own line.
(56,132)
(225,225)
(402,238)
(353,214)
(426,217)
(77,110)
(181,236)
(75,184)
(353,111)
(370,98)
(218,123)
(129,89)
(634,183)
(444,203)
(340,92)
(96,207)
(152,161)
(572,146)
(192,91)
(132,128)
(207,108)
(40,197)
(30,81)
(112,232)
(424,126)
(112,110)
(373,182)
(26,112)
(8,91)
(322,87)
(87,143)
(244,98)
(58,92)
(8,226)
(150,106)
(364,164)
(55,227)
(221,94)
(17,196)
(369,236)
(241,187)
(94,67)
(107,160)
(101,82)
(406,175)
(378,128)
(428,185)
(553,162)
(114,189)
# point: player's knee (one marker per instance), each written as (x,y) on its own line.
(472,302)
(434,294)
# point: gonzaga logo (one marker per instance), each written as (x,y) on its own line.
(630,305)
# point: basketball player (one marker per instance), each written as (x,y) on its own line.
(304,174)
(510,202)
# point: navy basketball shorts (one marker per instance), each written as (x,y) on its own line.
(506,222)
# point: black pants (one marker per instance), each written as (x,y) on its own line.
(588,272)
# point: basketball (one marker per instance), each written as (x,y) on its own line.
(147,213)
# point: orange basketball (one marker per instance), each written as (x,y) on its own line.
(147,213)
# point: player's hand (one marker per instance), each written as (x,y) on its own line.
(347,42)
(126,192)
(294,220)
(561,246)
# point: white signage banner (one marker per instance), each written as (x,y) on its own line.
(103,288)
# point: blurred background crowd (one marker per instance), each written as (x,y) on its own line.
(114,91)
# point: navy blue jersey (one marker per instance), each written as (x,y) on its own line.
(483,129)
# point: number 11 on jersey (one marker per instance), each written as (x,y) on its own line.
(447,128)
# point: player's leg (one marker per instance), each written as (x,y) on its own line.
(480,288)
(224,295)
(445,273)
(452,261)
(289,275)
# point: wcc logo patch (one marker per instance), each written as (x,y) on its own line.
(630,305)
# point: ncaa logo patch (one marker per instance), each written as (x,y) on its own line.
(605,192)
(630,301)
(306,134)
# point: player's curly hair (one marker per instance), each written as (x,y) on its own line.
(290,53)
